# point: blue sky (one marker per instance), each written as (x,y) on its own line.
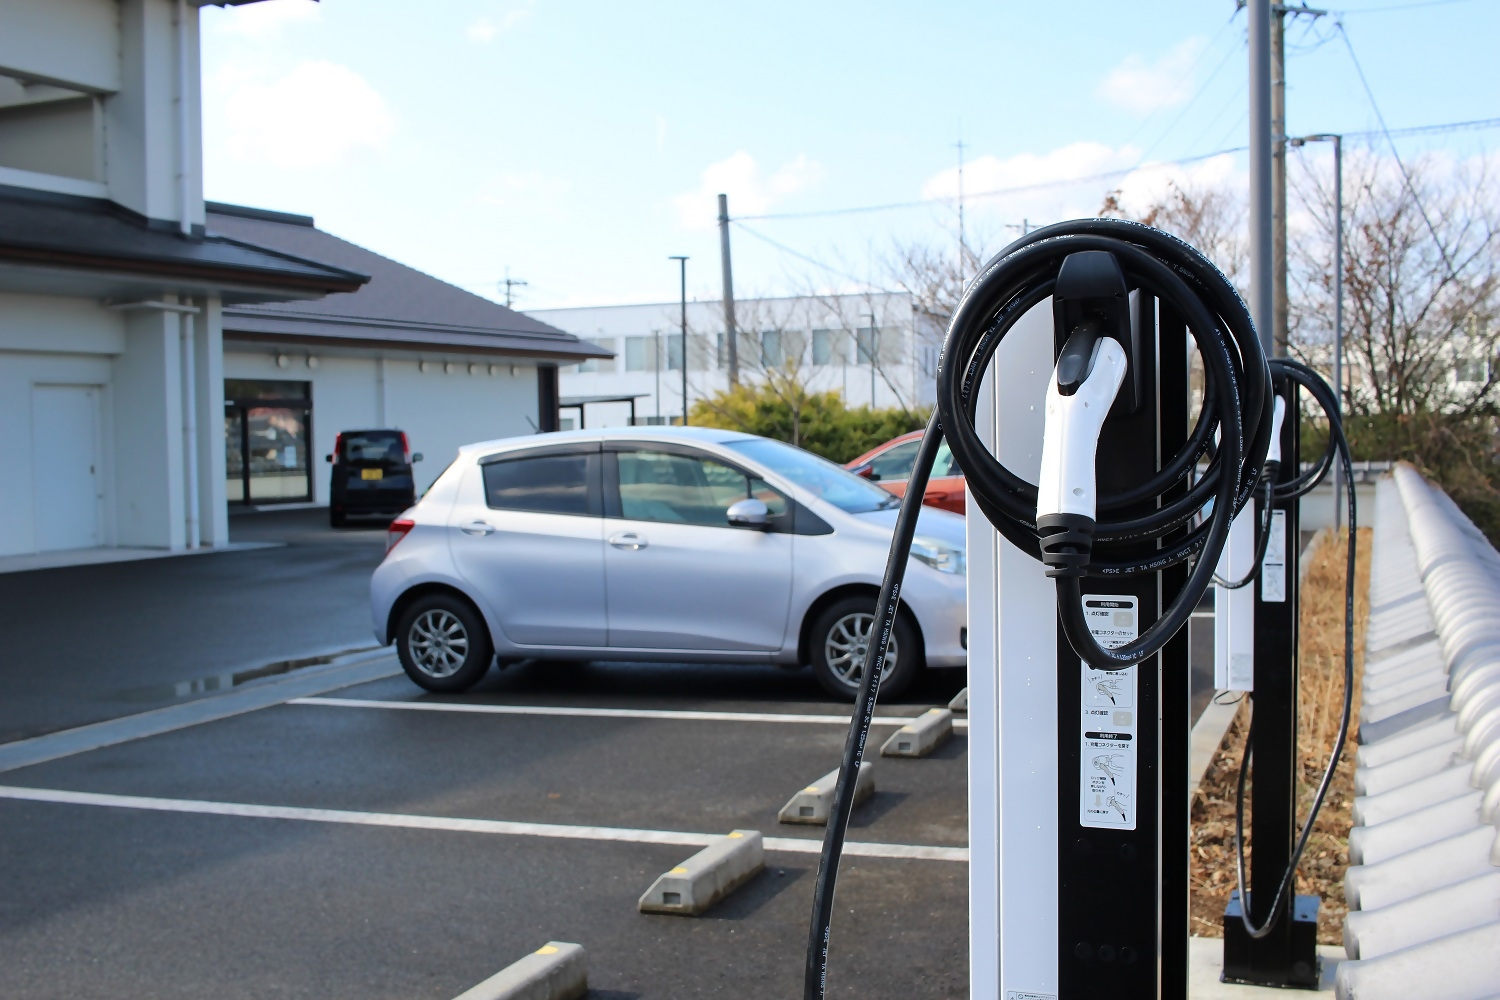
(581,143)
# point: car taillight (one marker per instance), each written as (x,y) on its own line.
(397,531)
(405,449)
(338,447)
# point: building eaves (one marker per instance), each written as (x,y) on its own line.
(93,234)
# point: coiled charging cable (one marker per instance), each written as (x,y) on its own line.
(1183,523)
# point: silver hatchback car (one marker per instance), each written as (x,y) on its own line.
(660,544)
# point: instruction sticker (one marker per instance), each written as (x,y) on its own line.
(1108,726)
(1273,567)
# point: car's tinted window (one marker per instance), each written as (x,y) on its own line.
(831,483)
(683,489)
(547,484)
(372,446)
(895,463)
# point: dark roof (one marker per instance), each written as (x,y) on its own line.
(94,234)
(399,306)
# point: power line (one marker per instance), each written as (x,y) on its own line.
(799,255)
(1202,89)
(1190,71)
(1477,123)
(1396,152)
(1404,6)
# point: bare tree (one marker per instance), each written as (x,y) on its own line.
(1421,295)
(1213,219)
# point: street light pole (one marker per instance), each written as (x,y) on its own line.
(682,268)
(1338,303)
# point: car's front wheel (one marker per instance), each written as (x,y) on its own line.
(842,633)
(443,644)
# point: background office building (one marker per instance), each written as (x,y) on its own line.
(873,348)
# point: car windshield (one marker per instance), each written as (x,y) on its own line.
(818,476)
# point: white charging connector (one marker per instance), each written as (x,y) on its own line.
(1071,438)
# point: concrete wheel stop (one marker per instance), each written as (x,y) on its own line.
(707,877)
(921,736)
(813,804)
(555,971)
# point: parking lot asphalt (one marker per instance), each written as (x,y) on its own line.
(164,895)
(86,643)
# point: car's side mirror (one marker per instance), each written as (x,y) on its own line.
(416,457)
(749,513)
(328,459)
(866,471)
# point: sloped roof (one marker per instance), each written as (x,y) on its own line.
(75,233)
(399,306)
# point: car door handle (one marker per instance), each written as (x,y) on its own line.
(478,528)
(628,540)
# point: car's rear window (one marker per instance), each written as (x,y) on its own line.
(372,446)
(544,484)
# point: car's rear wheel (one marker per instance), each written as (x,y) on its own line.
(839,638)
(443,644)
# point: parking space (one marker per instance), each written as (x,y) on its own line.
(377,841)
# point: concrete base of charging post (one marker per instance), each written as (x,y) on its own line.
(707,877)
(814,803)
(554,971)
(921,736)
(960,702)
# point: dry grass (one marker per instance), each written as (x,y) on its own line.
(1320,691)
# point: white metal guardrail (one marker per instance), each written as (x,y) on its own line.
(1424,880)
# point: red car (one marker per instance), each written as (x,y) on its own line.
(890,465)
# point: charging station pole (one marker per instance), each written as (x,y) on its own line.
(1078,781)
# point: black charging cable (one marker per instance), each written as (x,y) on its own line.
(1236,404)
(1297,375)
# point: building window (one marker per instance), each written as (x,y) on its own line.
(1473,370)
(638,354)
(267,438)
(828,347)
(866,344)
(674,352)
(770,349)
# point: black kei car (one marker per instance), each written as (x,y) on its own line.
(372,475)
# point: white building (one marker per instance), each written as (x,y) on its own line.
(136,328)
(872,348)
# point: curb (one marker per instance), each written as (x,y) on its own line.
(555,971)
(921,736)
(813,804)
(706,877)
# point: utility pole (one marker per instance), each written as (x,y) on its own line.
(1281,335)
(731,337)
(1261,155)
(510,285)
(682,268)
(961,255)
(1338,300)
(874,351)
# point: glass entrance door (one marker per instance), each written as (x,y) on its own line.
(268,436)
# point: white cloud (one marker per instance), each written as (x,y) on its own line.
(264,20)
(1149,185)
(314,115)
(1141,87)
(485,29)
(749,191)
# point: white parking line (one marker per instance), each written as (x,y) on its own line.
(793,845)
(606,713)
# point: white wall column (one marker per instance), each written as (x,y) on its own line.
(149,494)
(213,503)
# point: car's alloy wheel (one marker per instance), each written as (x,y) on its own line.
(439,643)
(840,637)
(846,643)
(443,644)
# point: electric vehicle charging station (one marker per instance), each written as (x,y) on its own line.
(1078,799)
(1067,365)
